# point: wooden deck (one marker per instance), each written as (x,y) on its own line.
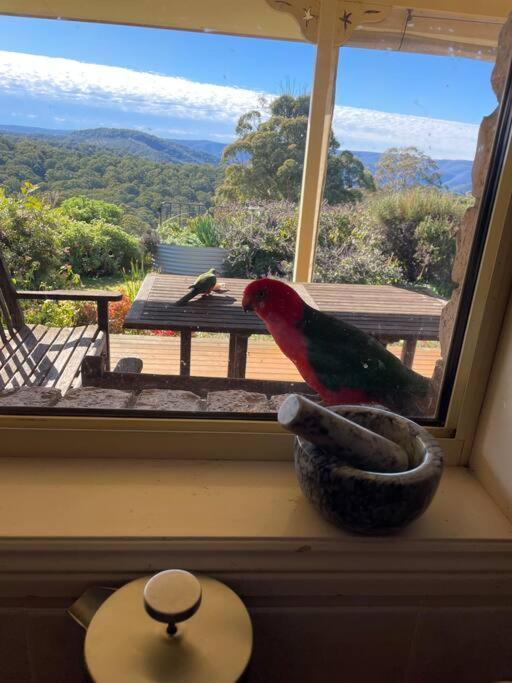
(161,355)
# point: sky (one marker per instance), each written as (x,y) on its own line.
(70,75)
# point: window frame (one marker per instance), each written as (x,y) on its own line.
(483,303)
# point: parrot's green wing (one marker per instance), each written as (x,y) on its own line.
(204,282)
(342,355)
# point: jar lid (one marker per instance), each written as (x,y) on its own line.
(173,627)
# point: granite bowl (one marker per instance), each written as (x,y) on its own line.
(371,502)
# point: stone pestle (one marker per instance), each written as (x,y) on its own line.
(334,434)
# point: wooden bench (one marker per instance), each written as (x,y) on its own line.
(37,355)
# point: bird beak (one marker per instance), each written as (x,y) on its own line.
(247,304)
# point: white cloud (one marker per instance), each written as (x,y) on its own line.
(367,129)
(122,88)
(97,85)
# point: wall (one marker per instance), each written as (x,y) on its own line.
(491,458)
(365,642)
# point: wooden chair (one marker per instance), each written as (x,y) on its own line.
(36,355)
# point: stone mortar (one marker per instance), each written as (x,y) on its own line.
(372,502)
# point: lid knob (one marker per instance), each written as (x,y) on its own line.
(172,596)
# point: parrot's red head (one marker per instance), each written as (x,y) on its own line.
(272,298)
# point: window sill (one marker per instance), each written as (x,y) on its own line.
(73,522)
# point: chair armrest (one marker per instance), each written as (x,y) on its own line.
(72,295)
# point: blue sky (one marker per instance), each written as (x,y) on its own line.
(60,74)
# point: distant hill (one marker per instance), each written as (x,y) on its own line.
(455,174)
(32,131)
(123,141)
(215,149)
(142,144)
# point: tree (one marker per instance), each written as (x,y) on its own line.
(401,168)
(267,159)
(89,210)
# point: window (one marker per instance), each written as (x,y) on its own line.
(136,120)
(399,238)
(134,155)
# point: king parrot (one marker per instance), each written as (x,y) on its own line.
(338,360)
(204,284)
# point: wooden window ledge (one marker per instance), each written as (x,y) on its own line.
(74,522)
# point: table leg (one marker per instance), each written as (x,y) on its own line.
(408,351)
(237,355)
(185,349)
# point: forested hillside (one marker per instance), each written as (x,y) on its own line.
(140,185)
(455,173)
(141,144)
(127,141)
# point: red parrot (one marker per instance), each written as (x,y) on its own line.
(338,360)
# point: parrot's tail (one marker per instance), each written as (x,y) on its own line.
(184,299)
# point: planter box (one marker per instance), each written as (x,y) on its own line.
(171,258)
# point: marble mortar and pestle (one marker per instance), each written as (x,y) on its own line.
(364,468)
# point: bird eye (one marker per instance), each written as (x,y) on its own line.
(261,294)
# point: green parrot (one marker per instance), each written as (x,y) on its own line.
(204,284)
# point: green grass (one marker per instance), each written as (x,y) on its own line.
(107,282)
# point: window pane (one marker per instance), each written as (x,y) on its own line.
(133,160)
(399,212)
(132,155)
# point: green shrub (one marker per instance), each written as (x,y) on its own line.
(260,238)
(358,265)
(98,248)
(417,228)
(205,230)
(89,210)
(137,222)
(133,278)
(172,232)
(29,238)
(435,252)
(200,231)
(349,252)
(53,313)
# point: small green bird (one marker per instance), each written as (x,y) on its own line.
(204,284)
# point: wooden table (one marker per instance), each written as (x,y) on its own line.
(389,313)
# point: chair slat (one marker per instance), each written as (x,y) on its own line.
(91,340)
(12,341)
(64,356)
(18,368)
(46,370)
(27,373)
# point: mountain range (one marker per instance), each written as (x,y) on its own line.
(455,174)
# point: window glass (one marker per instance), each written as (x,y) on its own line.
(393,248)
(163,170)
